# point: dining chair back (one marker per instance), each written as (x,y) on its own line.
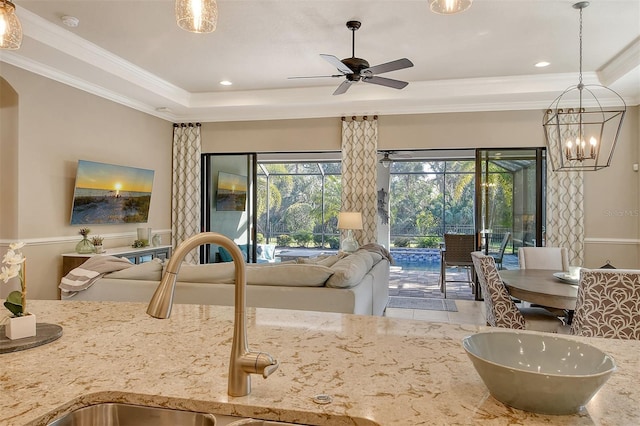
(457,253)
(501,310)
(499,256)
(554,258)
(608,304)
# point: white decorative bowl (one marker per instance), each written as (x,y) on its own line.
(540,373)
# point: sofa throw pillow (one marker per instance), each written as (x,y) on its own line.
(150,271)
(288,275)
(349,271)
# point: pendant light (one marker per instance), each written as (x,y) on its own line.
(10,28)
(449,7)
(197,16)
(580,134)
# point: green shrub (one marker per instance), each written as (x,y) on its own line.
(260,238)
(284,240)
(303,237)
(317,240)
(334,242)
(429,242)
(401,242)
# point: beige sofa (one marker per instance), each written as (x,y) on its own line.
(357,283)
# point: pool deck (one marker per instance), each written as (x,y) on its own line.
(413,279)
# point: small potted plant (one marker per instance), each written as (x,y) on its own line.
(84,246)
(97,243)
(21,323)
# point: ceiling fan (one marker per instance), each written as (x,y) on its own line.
(358,69)
(386,159)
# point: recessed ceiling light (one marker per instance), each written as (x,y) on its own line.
(225,83)
(542,64)
(70,21)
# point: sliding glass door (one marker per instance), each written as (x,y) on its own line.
(229,200)
(510,197)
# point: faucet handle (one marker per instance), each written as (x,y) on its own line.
(259,363)
(270,368)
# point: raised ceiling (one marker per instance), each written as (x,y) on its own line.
(132,52)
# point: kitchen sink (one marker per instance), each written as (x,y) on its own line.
(117,414)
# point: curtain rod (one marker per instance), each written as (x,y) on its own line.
(186,124)
(354,118)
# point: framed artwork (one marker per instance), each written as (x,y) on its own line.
(231,192)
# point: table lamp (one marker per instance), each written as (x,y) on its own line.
(349,221)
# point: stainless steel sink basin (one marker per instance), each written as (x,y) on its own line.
(116,414)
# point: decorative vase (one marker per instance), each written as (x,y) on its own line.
(98,248)
(156,240)
(20,327)
(84,246)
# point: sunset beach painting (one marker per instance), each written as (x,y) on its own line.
(110,194)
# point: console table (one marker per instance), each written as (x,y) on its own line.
(135,255)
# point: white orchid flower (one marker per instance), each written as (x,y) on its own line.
(7,273)
(16,246)
(13,258)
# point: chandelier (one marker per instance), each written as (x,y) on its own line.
(580,134)
(449,7)
(197,16)
(10,28)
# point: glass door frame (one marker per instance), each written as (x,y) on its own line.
(208,200)
(484,155)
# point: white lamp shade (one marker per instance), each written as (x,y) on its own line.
(349,220)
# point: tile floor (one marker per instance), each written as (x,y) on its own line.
(418,283)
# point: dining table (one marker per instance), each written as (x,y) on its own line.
(544,287)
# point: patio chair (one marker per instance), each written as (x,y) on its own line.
(501,310)
(608,304)
(457,253)
(552,258)
(499,256)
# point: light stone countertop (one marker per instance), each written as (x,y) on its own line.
(378,370)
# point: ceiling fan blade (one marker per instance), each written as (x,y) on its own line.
(398,64)
(316,76)
(342,88)
(337,63)
(388,82)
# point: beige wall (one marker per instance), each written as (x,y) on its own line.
(56,126)
(612,196)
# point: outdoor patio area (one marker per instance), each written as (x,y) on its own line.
(417,279)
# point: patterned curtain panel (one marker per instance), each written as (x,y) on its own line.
(185,202)
(359,173)
(565,211)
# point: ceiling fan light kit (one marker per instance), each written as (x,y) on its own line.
(358,69)
(449,7)
(10,28)
(197,16)
(580,134)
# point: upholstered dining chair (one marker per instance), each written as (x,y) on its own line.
(553,258)
(608,304)
(457,253)
(501,310)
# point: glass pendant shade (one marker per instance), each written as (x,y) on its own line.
(197,16)
(449,7)
(580,133)
(10,28)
